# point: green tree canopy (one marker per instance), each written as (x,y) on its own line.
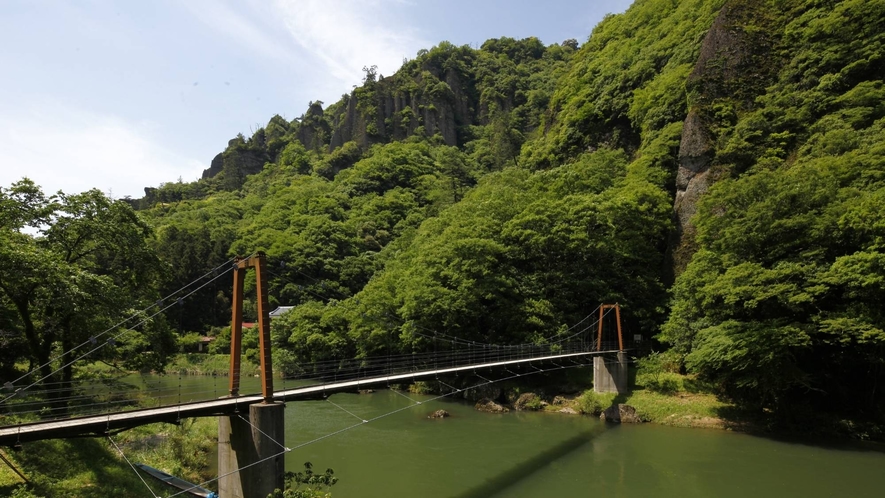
(88,266)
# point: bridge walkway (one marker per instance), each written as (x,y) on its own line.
(101,425)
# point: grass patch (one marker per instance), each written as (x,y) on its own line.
(669,399)
(208,364)
(680,409)
(92,468)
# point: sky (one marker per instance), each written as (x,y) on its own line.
(122,95)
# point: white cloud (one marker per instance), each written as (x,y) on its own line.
(250,31)
(326,43)
(347,35)
(72,150)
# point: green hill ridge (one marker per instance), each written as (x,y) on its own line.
(716,167)
(713,166)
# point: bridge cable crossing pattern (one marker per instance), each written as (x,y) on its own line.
(370,420)
(419,355)
(93,341)
(434,333)
(333,370)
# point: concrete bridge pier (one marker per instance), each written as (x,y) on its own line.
(241,444)
(610,376)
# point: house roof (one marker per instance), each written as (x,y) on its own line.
(279,311)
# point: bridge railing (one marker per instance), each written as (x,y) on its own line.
(101,396)
(404,363)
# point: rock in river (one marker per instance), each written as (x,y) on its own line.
(487,405)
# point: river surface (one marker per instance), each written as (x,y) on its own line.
(520,454)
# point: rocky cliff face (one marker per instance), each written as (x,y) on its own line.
(446,92)
(313,131)
(215,166)
(239,159)
(735,65)
(394,108)
(430,103)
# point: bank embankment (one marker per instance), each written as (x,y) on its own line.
(667,399)
(683,401)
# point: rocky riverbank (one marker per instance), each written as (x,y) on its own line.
(686,405)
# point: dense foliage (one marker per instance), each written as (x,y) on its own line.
(499,194)
(88,266)
(781,304)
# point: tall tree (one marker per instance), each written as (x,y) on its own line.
(88,266)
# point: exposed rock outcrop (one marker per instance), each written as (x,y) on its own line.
(733,67)
(437,104)
(439,414)
(214,167)
(487,405)
(692,181)
(443,93)
(529,401)
(620,413)
(313,131)
(563,400)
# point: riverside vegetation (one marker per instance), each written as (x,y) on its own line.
(499,194)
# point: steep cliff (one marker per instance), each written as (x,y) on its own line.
(492,96)
(737,61)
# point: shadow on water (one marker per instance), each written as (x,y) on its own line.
(812,431)
(523,470)
(822,441)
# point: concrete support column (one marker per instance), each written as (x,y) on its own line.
(241,444)
(610,376)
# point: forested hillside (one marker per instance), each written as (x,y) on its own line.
(714,166)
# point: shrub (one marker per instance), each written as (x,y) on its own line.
(314,485)
(23,492)
(593,403)
(654,373)
(421,387)
(534,403)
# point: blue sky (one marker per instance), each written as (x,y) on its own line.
(120,95)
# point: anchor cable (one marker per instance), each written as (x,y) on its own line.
(155,495)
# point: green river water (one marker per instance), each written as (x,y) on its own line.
(522,454)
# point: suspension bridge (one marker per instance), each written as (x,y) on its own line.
(251,449)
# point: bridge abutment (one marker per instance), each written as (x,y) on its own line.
(258,445)
(610,376)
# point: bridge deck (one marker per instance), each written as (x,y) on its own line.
(100,425)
